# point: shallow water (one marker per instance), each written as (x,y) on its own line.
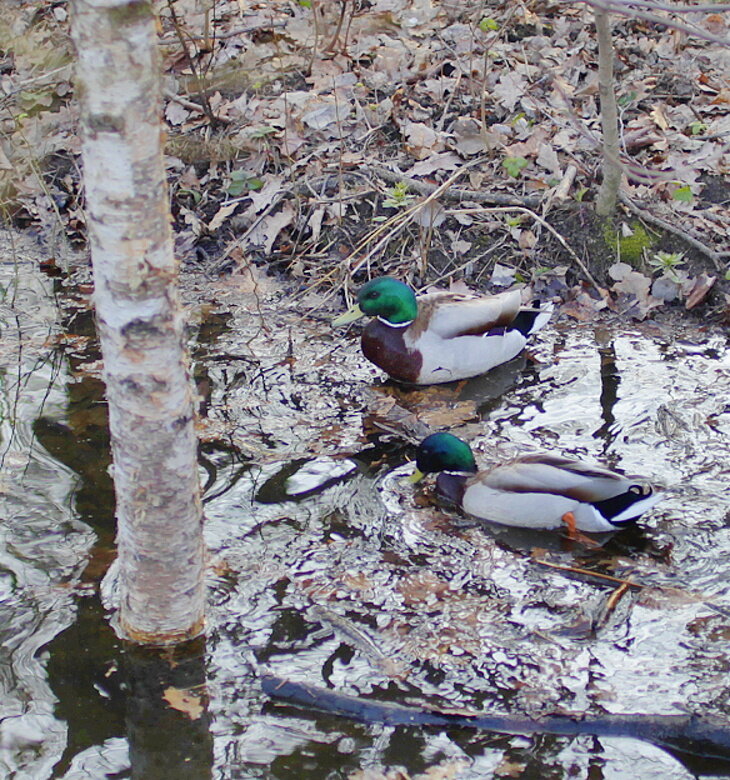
(326,569)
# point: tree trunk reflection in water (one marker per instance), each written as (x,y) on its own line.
(610,381)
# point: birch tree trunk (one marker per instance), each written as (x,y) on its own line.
(139,316)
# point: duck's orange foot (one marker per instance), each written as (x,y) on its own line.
(574,534)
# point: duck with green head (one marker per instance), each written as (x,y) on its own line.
(533,491)
(442,336)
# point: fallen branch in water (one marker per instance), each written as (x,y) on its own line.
(685,733)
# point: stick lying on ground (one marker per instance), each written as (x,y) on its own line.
(705,737)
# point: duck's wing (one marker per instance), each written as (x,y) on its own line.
(555,475)
(449,315)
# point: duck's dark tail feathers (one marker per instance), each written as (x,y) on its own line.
(529,320)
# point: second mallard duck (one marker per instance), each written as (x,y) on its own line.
(441,336)
(535,490)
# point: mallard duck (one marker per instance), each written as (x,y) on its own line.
(441,336)
(535,490)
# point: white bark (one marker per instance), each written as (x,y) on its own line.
(140,322)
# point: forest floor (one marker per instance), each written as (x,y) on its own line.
(324,143)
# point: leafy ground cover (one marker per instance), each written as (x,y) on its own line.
(434,141)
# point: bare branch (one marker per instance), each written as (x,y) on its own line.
(627,8)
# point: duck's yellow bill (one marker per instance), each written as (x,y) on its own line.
(349,316)
(417,476)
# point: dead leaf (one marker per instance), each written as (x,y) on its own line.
(460,247)
(267,231)
(315,223)
(443,161)
(324,115)
(449,415)
(175,113)
(657,114)
(222,215)
(421,140)
(470,137)
(266,195)
(507,768)
(5,164)
(702,285)
(503,276)
(548,158)
(635,287)
(182,700)
(528,148)
(430,215)
(665,288)
(448,770)
(424,586)
(509,89)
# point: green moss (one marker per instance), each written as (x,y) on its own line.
(629,249)
(130,13)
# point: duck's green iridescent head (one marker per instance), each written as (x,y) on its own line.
(443,452)
(383,297)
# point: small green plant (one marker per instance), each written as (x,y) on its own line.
(242,182)
(627,99)
(514,165)
(262,132)
(667,263)
(514,221)
(697,127)
(580,193)
(682,194)
(196,195)
(398,196)
(488,24)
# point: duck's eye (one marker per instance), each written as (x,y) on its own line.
(372,294)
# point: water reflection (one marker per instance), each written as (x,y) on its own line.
(354,581)
(42,543)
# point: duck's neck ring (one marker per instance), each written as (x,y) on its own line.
(395,324)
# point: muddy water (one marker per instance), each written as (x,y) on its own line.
(326,569)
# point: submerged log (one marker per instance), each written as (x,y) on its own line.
(706,737)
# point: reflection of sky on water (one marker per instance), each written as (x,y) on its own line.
(42,545)
(357,551)
(325,568)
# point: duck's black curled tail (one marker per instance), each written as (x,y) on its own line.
(529,320)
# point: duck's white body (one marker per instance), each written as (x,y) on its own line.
(538,491)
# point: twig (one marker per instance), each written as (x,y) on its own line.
(397,222)
(677,9)
(627,8)
(170,95)
(219,36)
(547,227)
(695,597)
(455,193)
(589,573)
(670,228)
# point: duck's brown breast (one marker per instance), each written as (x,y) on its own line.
(384,345)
